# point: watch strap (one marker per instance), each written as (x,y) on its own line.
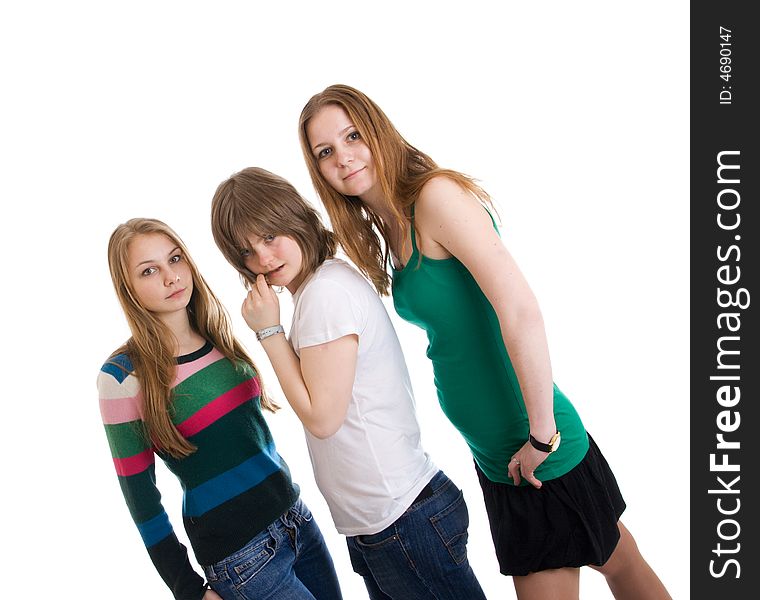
(548,448)
(263,334)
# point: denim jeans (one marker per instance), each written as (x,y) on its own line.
(423,555)
(287,561)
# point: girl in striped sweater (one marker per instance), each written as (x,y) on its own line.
(184,389)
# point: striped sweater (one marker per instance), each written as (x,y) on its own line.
(235,484)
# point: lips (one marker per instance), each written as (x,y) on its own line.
(352,173)
(176,294)
(269,274)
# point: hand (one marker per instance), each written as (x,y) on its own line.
(211,595)
(261,308)
(524,462)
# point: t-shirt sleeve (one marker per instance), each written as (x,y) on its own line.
(328,310)
(133,457)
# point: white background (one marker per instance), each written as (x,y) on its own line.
(573,115)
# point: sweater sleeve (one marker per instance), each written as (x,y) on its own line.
(134,459)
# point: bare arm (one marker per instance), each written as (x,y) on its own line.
(318,387)
(454,219)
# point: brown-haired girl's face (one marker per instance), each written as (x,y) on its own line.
(160,276)
(277,257)
(343,159)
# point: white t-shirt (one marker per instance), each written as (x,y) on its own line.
(371,470)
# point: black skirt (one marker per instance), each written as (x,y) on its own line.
(570,522)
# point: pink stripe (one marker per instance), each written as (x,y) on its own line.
(216,409)
(134,464)
(121,410)
(187,369)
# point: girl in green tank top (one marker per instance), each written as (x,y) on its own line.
(389,203)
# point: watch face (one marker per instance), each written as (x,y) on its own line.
(555,441)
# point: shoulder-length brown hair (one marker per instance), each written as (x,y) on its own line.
(152,347)
(402,171)
(257,202)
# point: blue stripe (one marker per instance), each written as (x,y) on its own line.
(155,530)
(231,483)
(119,367)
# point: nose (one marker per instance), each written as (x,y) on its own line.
(171,277)
(263,257)
(345,157)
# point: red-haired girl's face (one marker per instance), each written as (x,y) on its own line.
(343,159)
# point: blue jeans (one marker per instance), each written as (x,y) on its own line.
(423,555)
(287,561)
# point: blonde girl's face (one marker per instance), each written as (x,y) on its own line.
(343,159)
(277,257)
(159,274)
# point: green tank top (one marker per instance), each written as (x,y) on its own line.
(476,383)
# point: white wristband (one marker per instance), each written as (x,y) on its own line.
(262,334)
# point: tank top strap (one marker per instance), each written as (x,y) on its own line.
(413,233)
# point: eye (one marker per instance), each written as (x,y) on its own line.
(245,252)
(324,153)
(175,259)
(269,238)
(354,135)
(149,271)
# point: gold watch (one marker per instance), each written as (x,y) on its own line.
(548,448)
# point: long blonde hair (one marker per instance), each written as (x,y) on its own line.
(257,202)
(152,347)
(402,171)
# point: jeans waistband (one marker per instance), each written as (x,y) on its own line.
(438,480)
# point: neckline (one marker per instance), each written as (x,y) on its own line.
(196,354)
(419,257)
(412,257)
(415,252)
(416,256)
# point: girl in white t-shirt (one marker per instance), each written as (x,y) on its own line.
(343,372)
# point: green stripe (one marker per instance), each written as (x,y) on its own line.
(126,439)
(205,386)
(142,495)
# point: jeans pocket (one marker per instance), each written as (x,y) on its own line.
(249,562)
(451,525)
(376,540)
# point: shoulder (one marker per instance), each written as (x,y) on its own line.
(441,186)
(118,391)
(117,366)
(444,201)
(336,296)
(116,377)
(336,274)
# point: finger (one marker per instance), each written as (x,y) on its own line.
(261,284)
(531,479)
(248,308)
(253,293)
(514,470)
(250,300)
